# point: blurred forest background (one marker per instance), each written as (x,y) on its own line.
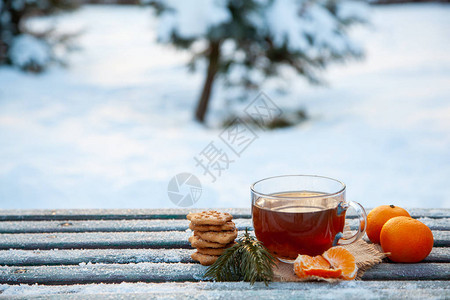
(103,102)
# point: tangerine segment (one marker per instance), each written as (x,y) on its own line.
(306,265)
(324,273)
(305,262)
(341,258)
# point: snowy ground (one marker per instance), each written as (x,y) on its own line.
(111,130)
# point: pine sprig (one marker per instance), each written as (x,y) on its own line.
(248,260)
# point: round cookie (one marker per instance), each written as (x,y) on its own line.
(211,251)
(221,237)
(197,242)
(211,217)
(204,259)
(225,227)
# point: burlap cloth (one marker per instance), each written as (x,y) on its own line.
(366,256)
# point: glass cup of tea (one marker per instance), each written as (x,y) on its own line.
(302,214)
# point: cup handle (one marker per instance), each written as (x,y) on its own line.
(340,239)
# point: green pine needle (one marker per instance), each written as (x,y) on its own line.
(248,260)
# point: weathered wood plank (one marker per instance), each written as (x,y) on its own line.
(79,256)
(17,257)
(110,214)
(419,271)
(439,255)
(128,214)
(107,273)
(94,226)
(162,272)
(234,290)
(90,240)
(145,225)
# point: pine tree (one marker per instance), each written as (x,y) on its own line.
(255,38)
(13,14)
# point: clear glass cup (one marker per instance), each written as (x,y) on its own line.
(302,214)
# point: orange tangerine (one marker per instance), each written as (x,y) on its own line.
(380,215)
(406,239)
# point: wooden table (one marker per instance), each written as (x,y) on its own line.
(145,253)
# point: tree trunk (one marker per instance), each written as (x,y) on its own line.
(202,106)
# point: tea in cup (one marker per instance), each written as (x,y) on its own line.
(302,214)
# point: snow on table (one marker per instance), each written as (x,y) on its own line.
(145,253)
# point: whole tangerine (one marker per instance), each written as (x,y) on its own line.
(408,240)
(380,215)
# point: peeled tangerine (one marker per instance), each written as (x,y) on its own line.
(336,262)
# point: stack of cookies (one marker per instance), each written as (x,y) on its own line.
(213,233)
